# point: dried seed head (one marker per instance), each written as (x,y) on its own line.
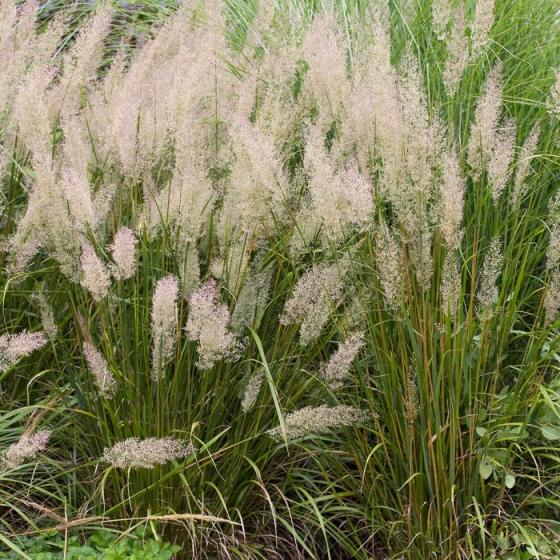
(98,367)
(481,26)
(524,169)
(164,323)
(27,447)
(252,300)
(318,419)
(554,102)
(314,297)
(552,297)
(389,266)
(134,453)
(452,193)
(252,390)
(47,316)
(485,125)
(14,347)
(336,370)
(95,275)
(450,286)
(502,157)
(208,324)
(553,250)
(457,50)
(488,292)
(123,251)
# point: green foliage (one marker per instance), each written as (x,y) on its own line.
(99,545)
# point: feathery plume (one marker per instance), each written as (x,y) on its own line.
(524,169)
(502,156)
(452,191)
(252,300)
(164,323)
(450,288)
(14,347)
(552,297)
(123,251)
(389,265)
(483,129)
(554,101)
(336,370)
(252,390)
(457,48)
(441,14)
(488,293)
(314,296)
(317,419)
(327,79)
(47,316)
(95,275)
(341,199)
(553,250)
(98,367)
(135,453)
(27,447)
(481,25)
(208,324)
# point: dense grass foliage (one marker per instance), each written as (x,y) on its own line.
(281,280)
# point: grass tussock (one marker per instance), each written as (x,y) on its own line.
(282,280)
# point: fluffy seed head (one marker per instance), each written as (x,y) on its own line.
(500,163)
(389,265)
(208,324)
(95,275)
(164,323)
(14,347)
(488,293)
(123,251)
(552,297)
(524,169)
(485,125)
(27,447)
(98,367)
(336,370)
(452,200)
(134,453)
(317,419)
(315,295)
(554,103)
(252,390)
(456,53)
(47,316)
(481,25)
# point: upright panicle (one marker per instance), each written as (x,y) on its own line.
(208,324)
(164,324)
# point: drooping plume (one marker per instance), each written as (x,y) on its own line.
(336,370)
(14,347)
(318,419)
(313,299)
(135,453)
(27,447)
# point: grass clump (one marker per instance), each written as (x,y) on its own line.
(282,280)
